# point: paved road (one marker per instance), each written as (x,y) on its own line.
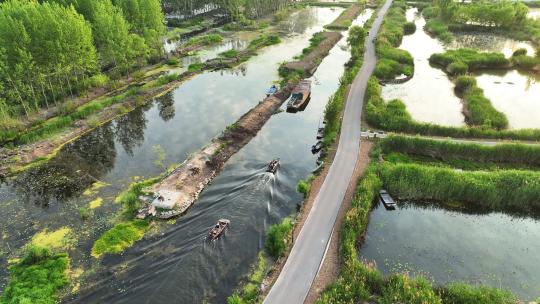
(294,282)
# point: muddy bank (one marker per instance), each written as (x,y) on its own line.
(309,63)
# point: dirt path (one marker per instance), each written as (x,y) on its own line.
(331,264)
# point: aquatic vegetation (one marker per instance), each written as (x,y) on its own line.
(229,54)
(96,203)
(474,59)
(94,188)
(514,190)
(392,61)
(393,116)
(61,238)
(447,150)
(120,237)
(85,213)
(249,293)
(481,112)
(205,40)
(467,294)
(409,28)
(36,278)
(196,67)
(438,28)
(278,238)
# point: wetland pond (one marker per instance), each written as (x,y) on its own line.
(175,261)
(429,95)
(444,245)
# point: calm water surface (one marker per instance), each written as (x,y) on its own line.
(429,95)
(493,249)
(180,123)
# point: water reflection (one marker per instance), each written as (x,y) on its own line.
(514,93)
(429,95)
(129,129)
(490,43)
(166,106)
(495,249)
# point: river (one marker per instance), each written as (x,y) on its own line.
(175,262)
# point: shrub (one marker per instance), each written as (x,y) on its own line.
(457,68)
(512,190)
(278,238)
(473,58)
(173,61)
(463,83)
(196,67)
(37,278)
(409,28)
(85,213)
(466,294)
(303,187)
(67,107)
(519,52)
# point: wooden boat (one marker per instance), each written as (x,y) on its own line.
(218,229)
(387,200)
(299,96)
(317,147)
(273,166)
(272,90)
(320,133)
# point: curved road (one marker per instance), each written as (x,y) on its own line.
(296,277)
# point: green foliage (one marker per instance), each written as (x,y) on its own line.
(278,238)
(464,83)
(409,28)
(250,291)
(466,294)
(263,41)
(402,289)
(457,68)
(501,190)
(393,61)
(205,40)
(439,29)
(85,213)
(229,54)
(447,150)
(474,59)
(196,67)
(37,278)
(526,62)
(165,79)
(304,186)
(314,42)
(491,13)
(173,61)
(519,52)
(481,111)
(119,237)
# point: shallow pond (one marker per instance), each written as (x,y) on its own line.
(490,43)
(180,123)
(514,93)
(429,95)
(494,249)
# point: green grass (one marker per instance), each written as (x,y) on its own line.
(393,61)
(263,41)
(439,29)
(474,59)
(481,111)
(229,54)
(120,237)
(445,151)
(249,293)
(196,67)
(37,278)
(165,79)
(464,293)
(507,190)
(278,238)
(314,42)
(393,116)
(204,40)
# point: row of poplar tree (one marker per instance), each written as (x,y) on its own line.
(56,48)
(247,8)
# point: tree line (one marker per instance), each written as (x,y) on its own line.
(500,13)
(235,8)
(57,48)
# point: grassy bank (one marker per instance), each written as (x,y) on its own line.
(127,230)
(360,282)
(445,150)
(37,278)
(344,21)
(513,190)
(278,241)
(393,116)
(392,61)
